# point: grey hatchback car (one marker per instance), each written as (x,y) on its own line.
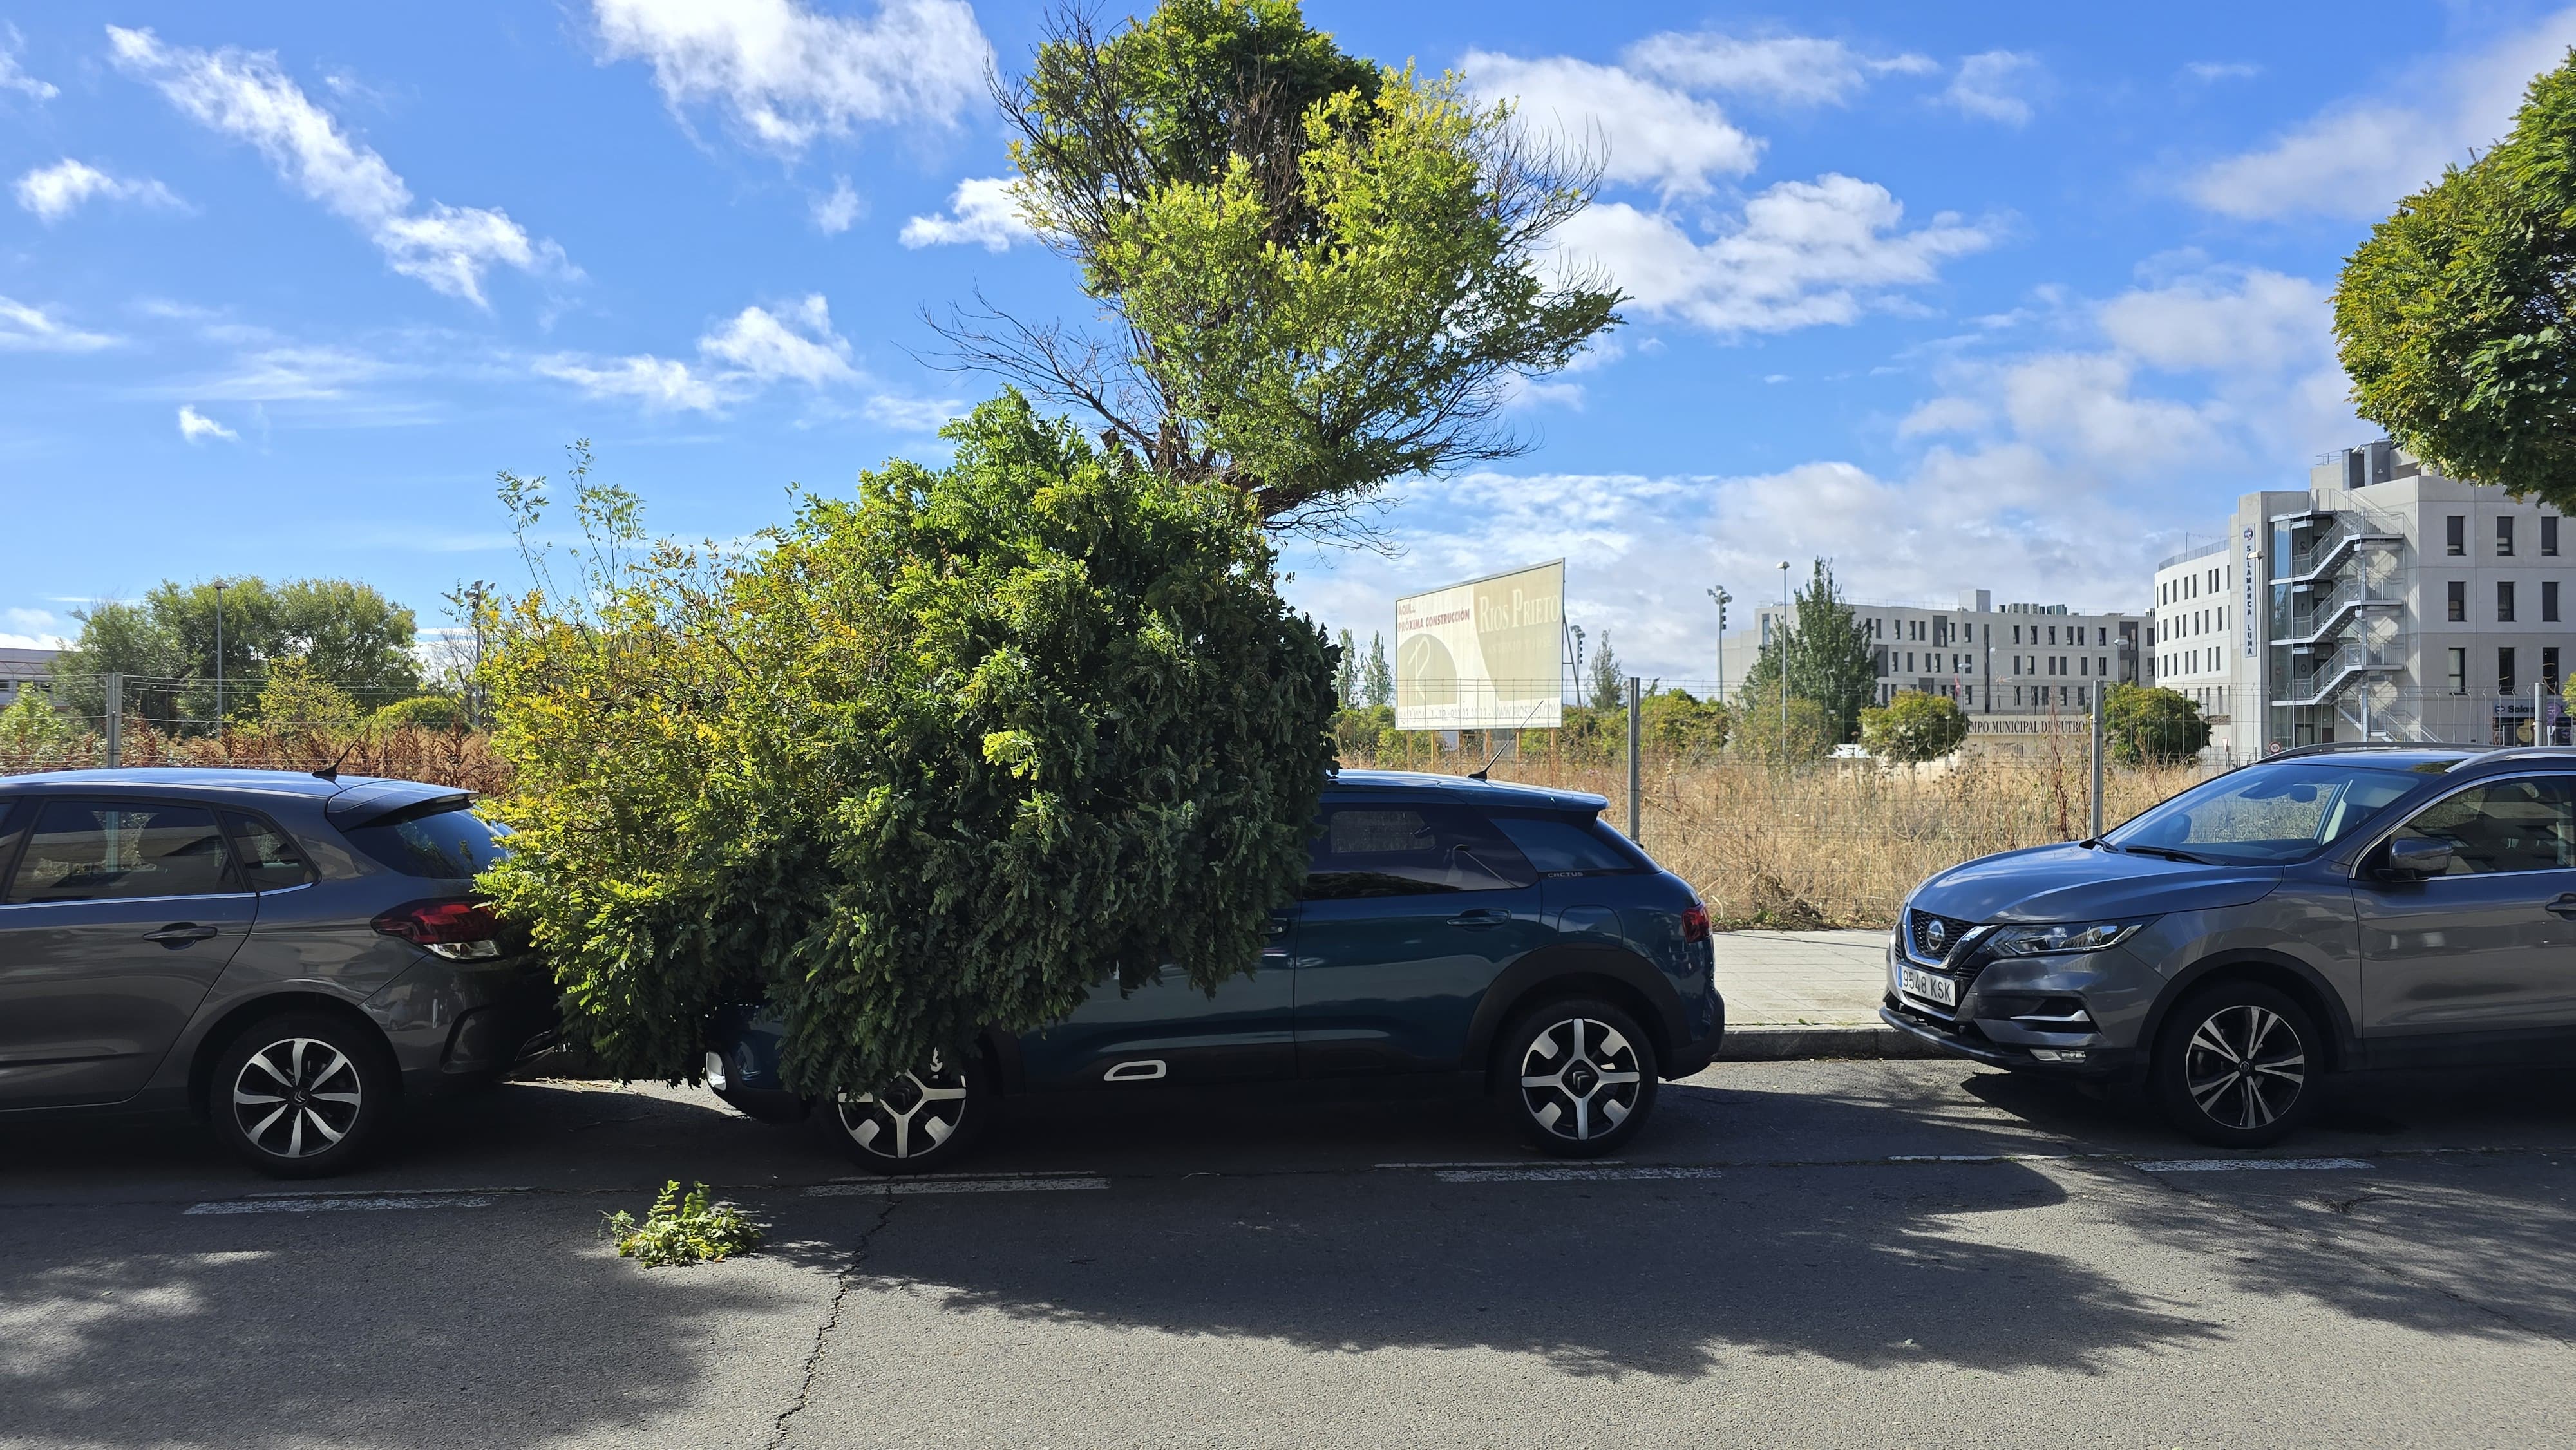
(2327,909)
(284,955)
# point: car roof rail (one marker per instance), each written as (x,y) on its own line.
(2527,752)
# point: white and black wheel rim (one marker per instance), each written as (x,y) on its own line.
(2245,1066)
(1580,1079)
(913,1116)
(297,1097)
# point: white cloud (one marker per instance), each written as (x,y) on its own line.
(14,79)
(789,73)
(1985,86)
(2355,159)
(1944,415)
(196,427)
(2260,321)
(31,629)
(980,211)
(246,96)
(2209,72)
(33,329)
(1650,134)
(738,358)
(1806,253)
(1791,70)
(56,191)
(289,374)
(838,212)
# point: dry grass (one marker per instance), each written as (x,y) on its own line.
(441,757)
(1840,844)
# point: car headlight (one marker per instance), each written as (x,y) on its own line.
(2070,936)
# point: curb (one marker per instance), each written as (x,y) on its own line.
(1771,1043)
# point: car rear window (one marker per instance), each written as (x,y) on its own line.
(1410,850)
(451,843)
(1564,846)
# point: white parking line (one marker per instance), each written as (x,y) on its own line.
(2241,1165)
(1588,1173)
(1494,1163)
(351,1202)
(1029,1183)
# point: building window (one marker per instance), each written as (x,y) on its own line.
(2504,670)
(2102,667)
(2456,533)
(2459,670)
(2549,601)
(2504,601)
(2549,667)
(2504,536)
(2459,601)
(2549,536)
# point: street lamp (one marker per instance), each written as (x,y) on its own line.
(1718,593)
(219,656)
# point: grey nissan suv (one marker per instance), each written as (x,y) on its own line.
(283,954)
(2327,909)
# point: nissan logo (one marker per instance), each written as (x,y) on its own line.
(1936,935)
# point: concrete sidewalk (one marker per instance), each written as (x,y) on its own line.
(1807,994)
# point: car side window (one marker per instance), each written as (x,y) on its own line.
(1361,851)
(2525,824)
(113,851)
(1559,846)
(269,857)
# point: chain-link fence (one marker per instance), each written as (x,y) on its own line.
(298,722)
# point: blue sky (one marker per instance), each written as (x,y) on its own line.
(2009,296)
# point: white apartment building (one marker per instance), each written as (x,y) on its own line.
(2016,659)
(2382,602)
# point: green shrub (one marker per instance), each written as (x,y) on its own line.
(1756,735)
(942,757)
(683,1229)
(1913,727)
(420,712)
(2152,725)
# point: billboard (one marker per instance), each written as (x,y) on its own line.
(1488,654)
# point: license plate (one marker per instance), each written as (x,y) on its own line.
(1930,986)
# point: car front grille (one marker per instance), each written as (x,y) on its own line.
(1921,932)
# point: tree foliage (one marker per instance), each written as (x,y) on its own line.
(1606,678)
(1913,727)
(1377,677)
(2454,318)
(944,756)
(1824,652)
(2151,725)
(340,630)
(1324,274)
(1760,730)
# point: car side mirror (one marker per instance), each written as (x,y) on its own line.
(2418,856)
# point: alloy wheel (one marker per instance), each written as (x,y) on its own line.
(2245,1066)
(913,1116)
(1580,1078)
(297,1097)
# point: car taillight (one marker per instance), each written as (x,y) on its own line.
(1695,923)
(461,931)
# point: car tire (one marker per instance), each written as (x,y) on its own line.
(1576,1076)
(2237,1066)
(302,1094)
(921,1123)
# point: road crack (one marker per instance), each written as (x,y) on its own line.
(780,1428)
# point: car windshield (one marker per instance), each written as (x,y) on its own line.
(2266,814)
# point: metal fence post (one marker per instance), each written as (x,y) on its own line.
(115,717)
(2098,708)
(1634,689)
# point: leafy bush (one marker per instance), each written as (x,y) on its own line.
(2152,725)
(1812,733)
(295,700)
(1680,725)
(1913,727)
(942,757)
(420,712)
(683,1229)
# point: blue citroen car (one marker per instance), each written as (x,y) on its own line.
(1501,936)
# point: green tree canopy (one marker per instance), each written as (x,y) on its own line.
(946,755)
(342,631)
(1913,727)
(1607,679)
(1325,274)
(1827,656)
(1377,677)
(2151,725)
(1757,727)
(2454,318)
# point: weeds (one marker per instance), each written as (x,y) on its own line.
(683,1229)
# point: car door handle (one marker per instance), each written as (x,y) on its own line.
(179,934)
(1483,916)
(2564,906)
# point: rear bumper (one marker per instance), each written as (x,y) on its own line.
(1697,1055)
(452,1025)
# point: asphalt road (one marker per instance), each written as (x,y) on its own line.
(1866,1254)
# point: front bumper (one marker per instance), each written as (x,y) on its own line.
(1999,998)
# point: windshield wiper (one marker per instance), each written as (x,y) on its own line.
(2170,854)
